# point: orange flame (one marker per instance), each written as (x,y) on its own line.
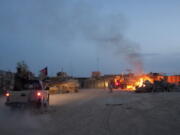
(131,83)
(139,82)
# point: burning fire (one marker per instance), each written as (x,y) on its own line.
(133,82)
(139,82)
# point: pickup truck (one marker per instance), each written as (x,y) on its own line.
(30,93)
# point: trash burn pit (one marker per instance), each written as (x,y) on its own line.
(142,83)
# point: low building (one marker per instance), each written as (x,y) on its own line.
(174,79)
(96,74)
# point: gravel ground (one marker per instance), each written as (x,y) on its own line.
(97,112)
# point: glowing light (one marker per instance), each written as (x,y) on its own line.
(130,87)
(7,94)
(117,84)
(38,94)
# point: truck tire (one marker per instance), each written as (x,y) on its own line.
(46,104)
(39,104)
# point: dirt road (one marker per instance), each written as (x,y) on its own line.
(97,112)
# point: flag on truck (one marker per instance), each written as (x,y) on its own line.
(44,71)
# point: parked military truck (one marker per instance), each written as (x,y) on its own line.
(68,86)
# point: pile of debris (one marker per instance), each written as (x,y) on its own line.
(157,86)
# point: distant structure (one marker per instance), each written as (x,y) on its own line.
(6,80)
(62,75)
(174,79)
(96,74)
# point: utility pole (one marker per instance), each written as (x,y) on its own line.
(97,59)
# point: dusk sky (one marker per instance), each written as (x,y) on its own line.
(81,36)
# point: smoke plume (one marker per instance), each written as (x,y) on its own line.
(47,25)
(107,31)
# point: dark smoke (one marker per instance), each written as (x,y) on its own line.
(43,24)
(107,31)
(126,49)
(84,21)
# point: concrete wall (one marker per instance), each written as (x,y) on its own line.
(93,83)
